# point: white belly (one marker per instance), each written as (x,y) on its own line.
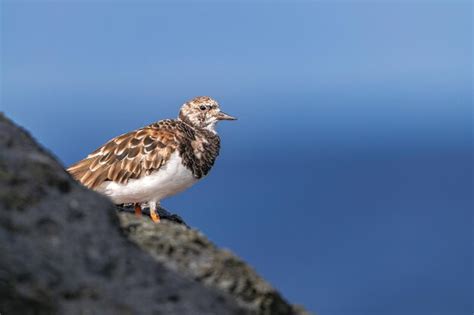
(170,179)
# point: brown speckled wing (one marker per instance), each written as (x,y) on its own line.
(129,156)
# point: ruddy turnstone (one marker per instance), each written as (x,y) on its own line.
(157,161)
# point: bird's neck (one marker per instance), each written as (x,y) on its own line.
(210,128)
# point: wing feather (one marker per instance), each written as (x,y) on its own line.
(128,156)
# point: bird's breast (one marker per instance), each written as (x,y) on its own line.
(200,153)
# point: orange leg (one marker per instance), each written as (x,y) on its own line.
(138,210)
(153,215)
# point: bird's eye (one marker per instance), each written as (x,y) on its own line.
(202,107)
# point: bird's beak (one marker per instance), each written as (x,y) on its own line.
(224,116)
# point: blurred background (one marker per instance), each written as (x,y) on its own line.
(347,181)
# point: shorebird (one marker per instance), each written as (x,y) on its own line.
(162,159)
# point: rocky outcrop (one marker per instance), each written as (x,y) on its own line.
(190,253)
(64,250)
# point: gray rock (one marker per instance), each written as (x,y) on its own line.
(190,253)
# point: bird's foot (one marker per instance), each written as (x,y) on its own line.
(162,213)
(153,215)
(138,210)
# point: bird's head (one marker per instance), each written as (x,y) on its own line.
(202,112)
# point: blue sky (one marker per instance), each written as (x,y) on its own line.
(346,181)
